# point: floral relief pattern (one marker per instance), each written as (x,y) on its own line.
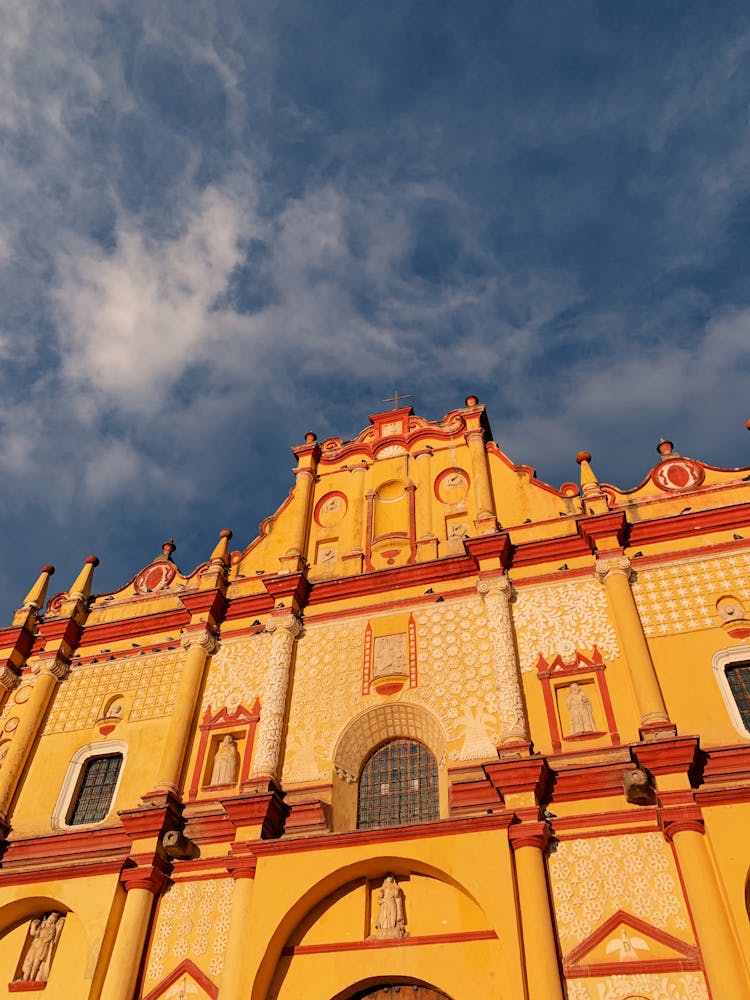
(573,612)
(153,678)
(662,986)
(682,597)
(594,877)
(456,683)
(236,672)
(193,921)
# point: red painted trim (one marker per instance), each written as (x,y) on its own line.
(367,661)
(60,873)
(642,966)
(412,640)
(359,838)
(699,522)
(395,604)
(21,987)
(424,939)
(129,628)
(186,967)
(243,718)
(573,962)
(369,528)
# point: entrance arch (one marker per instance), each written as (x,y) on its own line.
(395,989)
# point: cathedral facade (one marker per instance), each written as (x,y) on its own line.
(440,731)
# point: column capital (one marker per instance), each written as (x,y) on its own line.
(153,877)
(207,639)
(289,623)
(529,835)
(679,819)
(9,679)
(56,667)
(499,584)
(474,433)
(243,866)
(618,565)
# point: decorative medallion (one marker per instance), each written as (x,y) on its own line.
(452,486)
(330,509)
(157,576)
(678,474)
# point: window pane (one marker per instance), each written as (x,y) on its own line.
(399,785)
(96,789)
(739,684)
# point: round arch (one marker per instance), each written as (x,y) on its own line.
(395,988)
(370,730)
(369,868)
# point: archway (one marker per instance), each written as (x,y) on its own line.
(396,989)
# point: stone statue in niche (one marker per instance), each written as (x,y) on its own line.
(391,918)
(389,655)
(580,711)
(45,933)
(226,760)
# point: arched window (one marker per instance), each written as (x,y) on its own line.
(732,671)
(90,785)
(398,786)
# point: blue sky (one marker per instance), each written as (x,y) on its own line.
(226,224)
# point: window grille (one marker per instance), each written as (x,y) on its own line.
(95,790)
(398,786)
(738,677)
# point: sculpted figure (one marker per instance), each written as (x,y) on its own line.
(391,921)
(579,708)
(44,933)
(225,763)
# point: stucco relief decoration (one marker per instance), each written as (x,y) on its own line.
(153,679)
(575,612)
(457,677)
(330,509)
(382,723)
(327,688)
(236,673)
(592,878)
(157,576)
(270,730)
(193,921)
(390,655)
(456,684)
(682,597)
(43,935)
(677,474)
(391,919)
(452,486)
(649,986)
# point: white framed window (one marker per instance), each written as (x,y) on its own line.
(732,670)
(90,785)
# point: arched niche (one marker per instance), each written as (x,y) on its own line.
(367,732)
(323,948)
(70,958)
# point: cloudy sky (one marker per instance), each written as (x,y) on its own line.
(225,224)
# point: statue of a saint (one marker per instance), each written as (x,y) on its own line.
(391,920)
(225,763)
(44,934)
(580,711)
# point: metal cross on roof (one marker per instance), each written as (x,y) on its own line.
(395,398)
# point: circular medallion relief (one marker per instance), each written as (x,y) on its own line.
(330,509)
(452,486)
(157,576)
(678,474)
(11,725)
